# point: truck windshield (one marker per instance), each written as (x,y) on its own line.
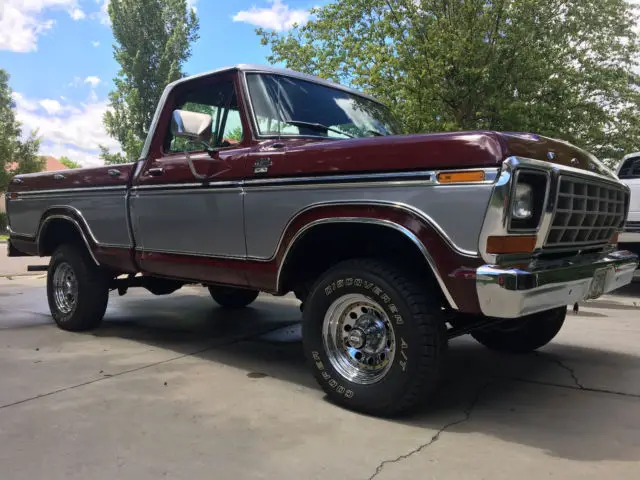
(292,107)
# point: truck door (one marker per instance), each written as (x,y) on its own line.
(192,226)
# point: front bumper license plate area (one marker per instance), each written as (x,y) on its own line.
(512,292)
(597,285)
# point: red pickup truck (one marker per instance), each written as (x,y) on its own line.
(256,179)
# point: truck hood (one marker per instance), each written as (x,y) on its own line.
(552,150)
(470,149)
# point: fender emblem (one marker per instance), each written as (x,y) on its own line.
(551,155)
(262,165)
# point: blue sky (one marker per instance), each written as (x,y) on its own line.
(59,55)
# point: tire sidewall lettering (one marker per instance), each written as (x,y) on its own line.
(338,287)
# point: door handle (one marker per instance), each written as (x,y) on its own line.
(58,176)
(155,172)
(113,172)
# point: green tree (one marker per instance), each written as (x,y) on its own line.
(67,162)
(562,68)
(16,155)
(153,39)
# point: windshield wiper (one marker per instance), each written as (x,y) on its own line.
(375,133)
(316,126)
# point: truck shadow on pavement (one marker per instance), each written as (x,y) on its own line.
(569,401)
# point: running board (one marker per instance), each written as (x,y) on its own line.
(37,268)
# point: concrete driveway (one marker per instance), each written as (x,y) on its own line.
(174,387)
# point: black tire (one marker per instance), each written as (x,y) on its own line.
(92,291)
(415,316)
(230,297)
(522,335)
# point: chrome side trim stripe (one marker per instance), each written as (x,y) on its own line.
(199,254)
(426,177)
(63,191)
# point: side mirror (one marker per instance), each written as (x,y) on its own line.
(193,125)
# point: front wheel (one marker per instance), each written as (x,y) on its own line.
(77,290)
(522,335)
(231,297)
(375,337)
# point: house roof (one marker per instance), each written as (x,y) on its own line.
(51,165)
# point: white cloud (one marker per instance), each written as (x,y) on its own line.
(95,44)
(83,157)
(22,22)
(77,14)
(103,14)
(73,130)
(92,80)
(23,103)
(51,106)
(278,17)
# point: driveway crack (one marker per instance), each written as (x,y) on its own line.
(562,365)
(467,416)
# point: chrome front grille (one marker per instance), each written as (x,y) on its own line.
(586,212)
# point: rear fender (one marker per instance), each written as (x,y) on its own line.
(74,218)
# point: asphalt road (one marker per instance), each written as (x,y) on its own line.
(174,387)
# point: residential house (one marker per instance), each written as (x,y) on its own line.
(51,165)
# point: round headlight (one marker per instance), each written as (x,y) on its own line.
(522,202)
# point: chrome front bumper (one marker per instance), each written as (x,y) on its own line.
(512,292)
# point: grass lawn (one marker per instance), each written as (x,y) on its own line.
(3,237)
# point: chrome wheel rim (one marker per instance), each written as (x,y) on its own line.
(359,339)
(65,288)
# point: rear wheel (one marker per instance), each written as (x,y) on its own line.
(375,337)
(522,335)
(231,297)
(77,289)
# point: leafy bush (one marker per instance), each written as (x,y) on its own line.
(3,222)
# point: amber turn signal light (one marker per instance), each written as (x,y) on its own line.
(461,177)
(614,238)
(511,244)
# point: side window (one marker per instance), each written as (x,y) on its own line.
(630,168)
(220,101)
